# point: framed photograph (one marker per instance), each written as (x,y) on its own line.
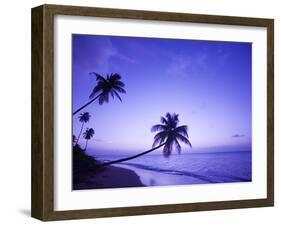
(141,112)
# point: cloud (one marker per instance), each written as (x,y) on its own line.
(237,135)
(102,141)
(186,65)
(92,52)
(96,53)
(125,58)
(179,66)
(205,61)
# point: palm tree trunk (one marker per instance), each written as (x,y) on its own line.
(86,145)
(132,157)
(80,133)
(91,101)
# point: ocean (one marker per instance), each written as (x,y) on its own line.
(190,168)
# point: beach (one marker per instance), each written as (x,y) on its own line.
(156,170)
(107,177)
(191,168)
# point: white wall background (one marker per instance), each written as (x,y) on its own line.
(15,112)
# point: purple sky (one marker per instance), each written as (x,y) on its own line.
(207,83)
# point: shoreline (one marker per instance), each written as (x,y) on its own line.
(108,177)
(155,172)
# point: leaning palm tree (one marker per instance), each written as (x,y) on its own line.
(109,85)
(168,136)
(83,118)
(88,134)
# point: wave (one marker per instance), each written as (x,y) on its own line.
(221,178)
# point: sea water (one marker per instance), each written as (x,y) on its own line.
(191,168)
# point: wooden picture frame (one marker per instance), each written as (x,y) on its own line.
(43,112)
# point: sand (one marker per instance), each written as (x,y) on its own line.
(108,177)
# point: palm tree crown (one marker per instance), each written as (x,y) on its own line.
(84,117)
(89,133)
(109,85)
(170,134)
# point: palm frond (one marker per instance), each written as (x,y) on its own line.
(182,130)
(115,76)
(97,89)
(164,120)
(159,138)
(112,94)
(119,89)
(104,97)
(100,78)
(119,83)
(158,127)
(183,139)
(177,145)
(116,94)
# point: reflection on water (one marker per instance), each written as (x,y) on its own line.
(200,168)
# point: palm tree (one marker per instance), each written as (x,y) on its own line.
(170,134)
(109,85)
(83,118)
(168,137)
(88,134)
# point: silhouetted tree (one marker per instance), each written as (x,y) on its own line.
(109,85)
(83,118)
(168,137)
(170,134)
(88,134)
